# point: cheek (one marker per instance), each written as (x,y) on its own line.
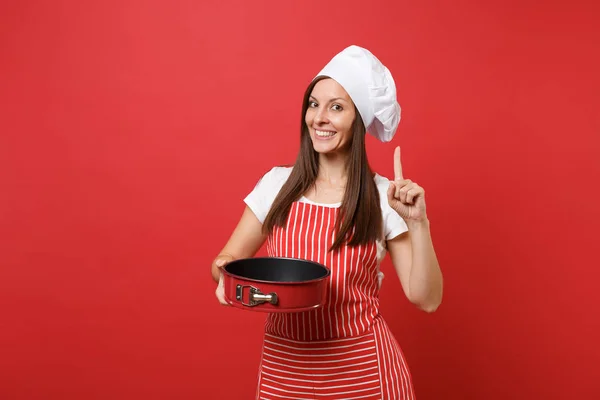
(345,124)
(308,118)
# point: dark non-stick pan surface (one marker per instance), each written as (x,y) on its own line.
(277,269)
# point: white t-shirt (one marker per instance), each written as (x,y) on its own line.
(267,188)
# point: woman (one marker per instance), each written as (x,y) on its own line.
(331,208)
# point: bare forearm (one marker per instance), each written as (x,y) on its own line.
(425,281)
(245,241)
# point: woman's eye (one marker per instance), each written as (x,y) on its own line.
(312,104)
(337,107)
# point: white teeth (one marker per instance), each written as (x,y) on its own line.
(324,134)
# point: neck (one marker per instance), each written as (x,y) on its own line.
(332,168)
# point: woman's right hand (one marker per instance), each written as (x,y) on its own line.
(245,241)
(221,261)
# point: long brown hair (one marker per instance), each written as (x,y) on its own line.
(359,220)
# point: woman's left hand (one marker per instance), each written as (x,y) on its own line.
(404,196)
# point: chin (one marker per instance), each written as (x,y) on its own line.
(319,148)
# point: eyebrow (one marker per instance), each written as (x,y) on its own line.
(334,99)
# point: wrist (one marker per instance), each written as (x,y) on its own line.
(419,224)
(225,255)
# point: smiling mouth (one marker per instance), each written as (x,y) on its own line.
(324,134)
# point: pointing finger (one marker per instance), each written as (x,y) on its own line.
(397,165)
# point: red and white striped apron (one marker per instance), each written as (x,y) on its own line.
(343,350)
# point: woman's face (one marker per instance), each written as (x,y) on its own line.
(329,117)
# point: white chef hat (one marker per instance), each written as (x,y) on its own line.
(370,86)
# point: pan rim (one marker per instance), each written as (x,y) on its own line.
(290,283)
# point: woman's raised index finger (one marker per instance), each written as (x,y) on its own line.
(397,164)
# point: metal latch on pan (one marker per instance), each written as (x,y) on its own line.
(255,296)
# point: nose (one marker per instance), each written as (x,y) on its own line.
(321,116)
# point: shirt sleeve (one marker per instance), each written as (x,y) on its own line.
(260,199)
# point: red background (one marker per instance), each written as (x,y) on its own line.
(131,131)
